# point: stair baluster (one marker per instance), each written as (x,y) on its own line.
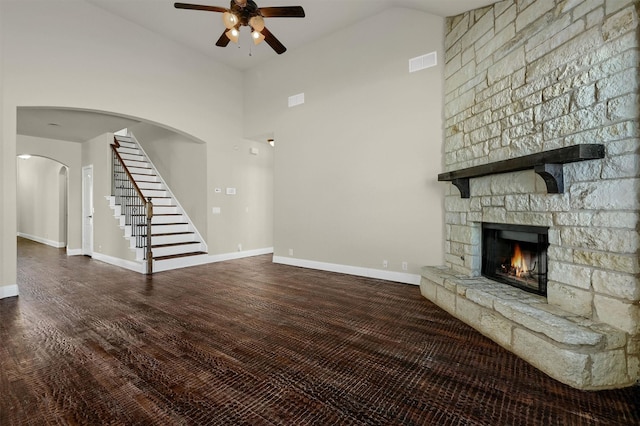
(137,210)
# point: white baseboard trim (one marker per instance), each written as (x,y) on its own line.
(401,277)
(8,291)
(239,255)
(182,262)
(126,264)
(74,252)
(185,262)
(56,244)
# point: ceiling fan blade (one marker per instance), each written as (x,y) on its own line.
(200,7)
(223,41)
(273,41)
(282,12)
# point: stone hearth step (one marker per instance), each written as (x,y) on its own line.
(572,349)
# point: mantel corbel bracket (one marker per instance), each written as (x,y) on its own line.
(547,164)
(463,187)
(553,175)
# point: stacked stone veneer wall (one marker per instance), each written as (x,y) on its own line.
(528,76)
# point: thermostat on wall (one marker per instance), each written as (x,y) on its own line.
(231,191)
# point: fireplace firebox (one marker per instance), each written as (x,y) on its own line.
(516,255)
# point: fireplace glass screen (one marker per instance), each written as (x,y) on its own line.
(516,255)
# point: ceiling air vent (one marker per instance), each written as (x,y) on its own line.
(423,62)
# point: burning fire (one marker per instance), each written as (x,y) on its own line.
(518,264)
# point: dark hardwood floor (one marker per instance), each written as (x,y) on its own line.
(251,342)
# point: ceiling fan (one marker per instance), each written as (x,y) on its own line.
(247,13)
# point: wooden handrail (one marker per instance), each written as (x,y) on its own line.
(148,205)
(126,170)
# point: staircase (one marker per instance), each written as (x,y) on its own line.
(175,242)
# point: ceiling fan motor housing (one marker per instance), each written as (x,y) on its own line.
(244,13)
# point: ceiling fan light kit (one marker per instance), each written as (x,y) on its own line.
(257,23)
(230,20)
(257,37)
(233,34)
(247,13)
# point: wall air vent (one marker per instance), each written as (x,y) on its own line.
(296,100)
(423,62)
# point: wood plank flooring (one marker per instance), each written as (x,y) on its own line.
(251,342)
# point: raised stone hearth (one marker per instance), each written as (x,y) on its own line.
(528,77)
(572,349)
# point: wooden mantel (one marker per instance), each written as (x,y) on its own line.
(547,164)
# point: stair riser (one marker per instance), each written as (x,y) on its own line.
(165,239)
(133,157)
(153,193)
(169,229)
(156,186)
(136,164)
(139,171)
(158,220)
(145,178)
(161,230)
(164,209)
(161,202)
(128,150)
(130,145)
(172,239)
(194,251)
(171,251)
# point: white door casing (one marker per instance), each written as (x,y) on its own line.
(87,210)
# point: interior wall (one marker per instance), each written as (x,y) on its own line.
(8,241)
(245,221)
(74,55)
(69,154)
(356,164)
(108,238)
(39,201)
(182,163)
(8,286)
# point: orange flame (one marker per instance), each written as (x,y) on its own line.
(518,263)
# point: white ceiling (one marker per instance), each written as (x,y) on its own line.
(199,30)
(66,124)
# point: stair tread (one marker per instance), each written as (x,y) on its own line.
(177,256)
(184,243)
(163,224)
(135,196)
(171,233)
(158,214)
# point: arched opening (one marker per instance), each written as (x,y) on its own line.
(42,202)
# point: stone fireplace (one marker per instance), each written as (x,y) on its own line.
(524,79)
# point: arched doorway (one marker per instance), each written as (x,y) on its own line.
(42,201)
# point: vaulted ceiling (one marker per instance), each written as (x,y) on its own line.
(199,30)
